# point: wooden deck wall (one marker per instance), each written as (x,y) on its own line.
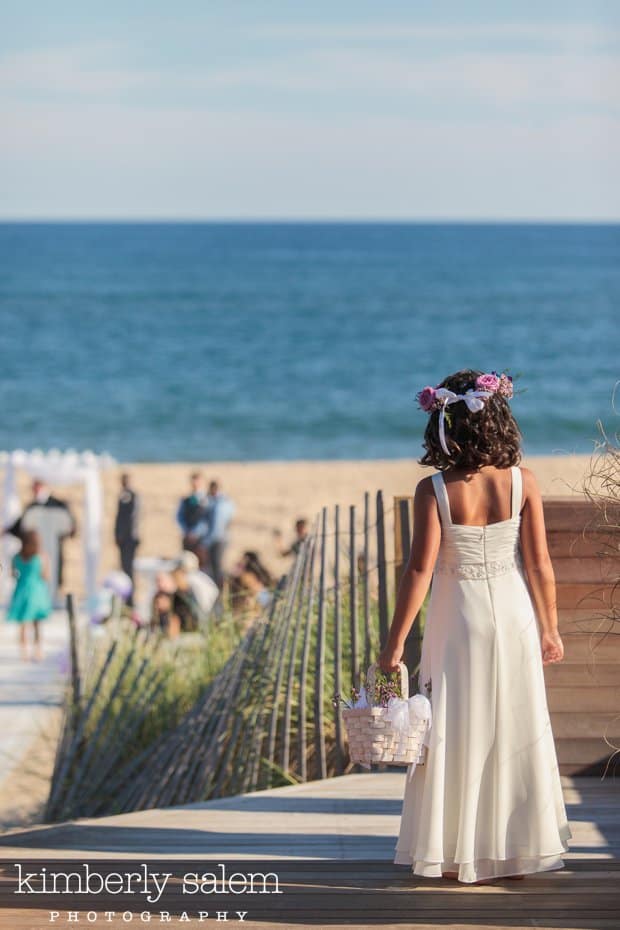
(583,692)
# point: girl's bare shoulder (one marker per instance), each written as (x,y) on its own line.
(424,487)
(530,483)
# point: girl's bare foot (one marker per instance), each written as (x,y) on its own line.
(483,881)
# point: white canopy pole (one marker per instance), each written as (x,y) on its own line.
(93,518)
(10,513)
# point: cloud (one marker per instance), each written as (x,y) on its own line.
(72,70)
(114,161)
(489,78)
(326,129)
(540,35)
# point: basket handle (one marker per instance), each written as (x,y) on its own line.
(404,679)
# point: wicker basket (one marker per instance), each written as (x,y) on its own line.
(373,738)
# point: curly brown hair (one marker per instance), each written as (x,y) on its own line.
(490,436)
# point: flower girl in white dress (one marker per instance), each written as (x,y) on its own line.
(487,802)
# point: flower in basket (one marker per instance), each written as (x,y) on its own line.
(337,699)
(387,685)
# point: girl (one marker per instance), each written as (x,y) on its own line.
(31,600)
(488,800)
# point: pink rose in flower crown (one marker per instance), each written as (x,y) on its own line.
(505,386)
(426,398)
(488,382)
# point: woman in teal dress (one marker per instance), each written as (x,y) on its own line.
(31,600)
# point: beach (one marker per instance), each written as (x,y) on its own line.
(268,496)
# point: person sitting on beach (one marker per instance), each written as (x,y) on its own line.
(251,584)
(31,601)
(301,534)
(192,519)
(184,602)
(163,618)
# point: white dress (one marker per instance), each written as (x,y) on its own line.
(488,801)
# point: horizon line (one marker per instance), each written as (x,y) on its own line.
(301,220)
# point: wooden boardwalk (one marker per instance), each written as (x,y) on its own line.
(331,844)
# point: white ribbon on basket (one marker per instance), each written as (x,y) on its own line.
(471,398)
(402,713)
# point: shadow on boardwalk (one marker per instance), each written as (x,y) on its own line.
(330,844)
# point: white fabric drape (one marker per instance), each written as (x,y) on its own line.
(58,468)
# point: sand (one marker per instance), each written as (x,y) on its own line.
(269,496)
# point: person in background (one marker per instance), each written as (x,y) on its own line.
(301,534)
(54,522)
(184,602)
(126,532)
(163,618)
(251,584)
(220,510)
(31,600)
(192,518)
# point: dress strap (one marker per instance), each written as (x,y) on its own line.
(517,488)
(439,486)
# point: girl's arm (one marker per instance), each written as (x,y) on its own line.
(45,567)
(539,570)
(417,574)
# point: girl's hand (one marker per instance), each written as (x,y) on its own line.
(552,648)
(389,658)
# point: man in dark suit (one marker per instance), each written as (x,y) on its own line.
(126,528)
(192,518)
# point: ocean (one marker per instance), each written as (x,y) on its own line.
(246,341)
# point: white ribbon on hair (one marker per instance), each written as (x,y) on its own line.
(472,399)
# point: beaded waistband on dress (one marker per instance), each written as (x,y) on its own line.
(476,570)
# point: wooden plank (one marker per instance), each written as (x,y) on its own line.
(580,676)
(382,572)
(353,592)
(341,754)
(586,698)
(586,648)
(366,584)
(303,669)
(572,513)
(583,620)
(586,725)
(594,569)
(597,597)
(290,684)
(319,675)
(579,544)
(402,536)
(76,682)
(582,751)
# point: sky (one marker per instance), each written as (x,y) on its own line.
(203,109)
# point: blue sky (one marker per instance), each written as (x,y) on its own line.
(330,110)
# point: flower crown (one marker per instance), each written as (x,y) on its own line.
(438,398)
(434,398)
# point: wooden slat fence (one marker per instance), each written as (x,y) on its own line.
(267,717)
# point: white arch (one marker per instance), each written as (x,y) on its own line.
(60,468)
